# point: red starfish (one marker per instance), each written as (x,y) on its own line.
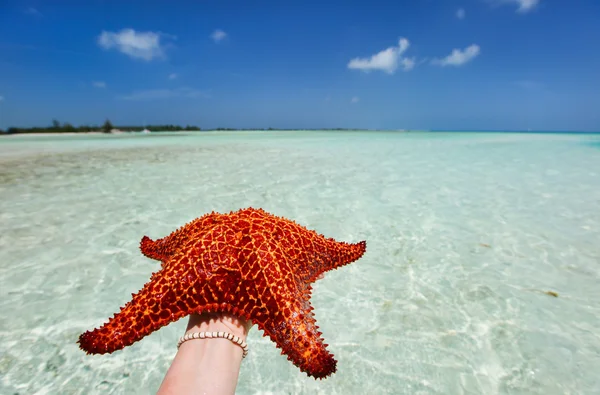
(250,263)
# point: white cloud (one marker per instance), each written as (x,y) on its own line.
(524,6)
(158,94)
(1,98)
(140,45)
(218,35)
(459,57)
(355,99)
(461,13)
(407,63)
(99,84)
(173,76)
(386,60)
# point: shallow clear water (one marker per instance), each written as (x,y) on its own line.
(466,232)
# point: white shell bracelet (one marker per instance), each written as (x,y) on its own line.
(213,335)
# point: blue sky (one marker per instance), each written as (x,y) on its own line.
(420,64)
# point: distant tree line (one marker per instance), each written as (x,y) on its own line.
(107,127)
(160,128)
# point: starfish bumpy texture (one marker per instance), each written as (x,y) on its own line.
(249,263)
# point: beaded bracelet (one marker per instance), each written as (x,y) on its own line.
(213,335)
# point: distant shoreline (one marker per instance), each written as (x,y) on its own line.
(136,132)
(107,128)
(164,132)
(41,134)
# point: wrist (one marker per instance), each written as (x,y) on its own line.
(218,322)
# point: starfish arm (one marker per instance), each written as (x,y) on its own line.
(163,249)
(152,249)
(194,280)
(153,307)
(294,330)
(278,302)
(329,254)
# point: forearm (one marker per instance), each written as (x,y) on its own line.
(206,366)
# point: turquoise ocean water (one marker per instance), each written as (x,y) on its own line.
(465,231)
